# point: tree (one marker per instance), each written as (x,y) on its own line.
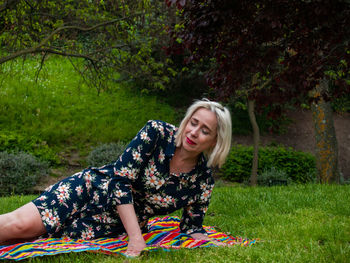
(288,46)
(109,36)
(243,44)
(318,44)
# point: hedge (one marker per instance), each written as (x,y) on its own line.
(299,166)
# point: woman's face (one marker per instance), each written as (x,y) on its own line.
(200,131)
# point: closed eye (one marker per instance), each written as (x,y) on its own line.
(194,123)
(205,129)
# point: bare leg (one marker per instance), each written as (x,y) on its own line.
(131,225)
(23,223)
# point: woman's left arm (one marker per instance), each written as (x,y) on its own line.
(200,236)
(193,214)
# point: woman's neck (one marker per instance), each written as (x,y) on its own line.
(182,161)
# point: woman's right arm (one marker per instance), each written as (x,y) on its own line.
(126,170)
(131,225)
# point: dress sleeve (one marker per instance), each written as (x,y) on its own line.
(193,214)
(127,168)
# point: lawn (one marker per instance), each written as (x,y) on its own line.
(298,223)
(58,107)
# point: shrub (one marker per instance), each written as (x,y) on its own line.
(14,143)
(299,166)
(20,172)
(341,104)
(105,153)
(273,176)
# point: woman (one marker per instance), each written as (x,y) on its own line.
(162,169)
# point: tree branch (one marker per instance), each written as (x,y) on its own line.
(17,54)
(107,48)
(48,50)
(261,86)
(8,4)
(66,54)
(41,66)
(29,4)
(38,48)
(82,73)
(84,29)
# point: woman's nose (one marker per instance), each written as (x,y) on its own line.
(194,132)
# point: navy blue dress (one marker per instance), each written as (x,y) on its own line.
(84,204)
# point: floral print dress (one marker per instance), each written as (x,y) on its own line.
(84,204)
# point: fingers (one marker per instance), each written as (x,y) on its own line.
(133,253)
(135,248)
(221,244)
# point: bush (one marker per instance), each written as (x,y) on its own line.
(341,104)
(20,172)
(105,153)
(299,166)
(14,143)
(273,176)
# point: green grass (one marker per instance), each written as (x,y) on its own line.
(300,223)
(62,110)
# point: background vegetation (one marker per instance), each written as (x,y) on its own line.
(60,109)
(114,75)
(298,166)
(20,172)
(51,113)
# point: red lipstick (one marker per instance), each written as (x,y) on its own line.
(189,141)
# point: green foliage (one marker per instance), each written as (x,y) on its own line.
(13,142)
(298,166)
(105,154)
(62,110)
(342,104)
(273,176)
(109,36)
(20,172)
(241,124)
(185,87)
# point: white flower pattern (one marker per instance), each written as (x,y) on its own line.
(139,176)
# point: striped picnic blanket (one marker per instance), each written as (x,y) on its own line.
(163,233)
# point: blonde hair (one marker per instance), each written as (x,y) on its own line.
(217,155)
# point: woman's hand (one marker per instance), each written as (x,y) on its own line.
(135,247)
(200,236)
(136,242)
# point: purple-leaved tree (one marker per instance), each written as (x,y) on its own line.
(273,52)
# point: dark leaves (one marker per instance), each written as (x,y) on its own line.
(290,43)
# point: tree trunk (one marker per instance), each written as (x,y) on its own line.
(256,140)
(326,141)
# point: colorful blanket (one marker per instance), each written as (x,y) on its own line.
(163,233)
